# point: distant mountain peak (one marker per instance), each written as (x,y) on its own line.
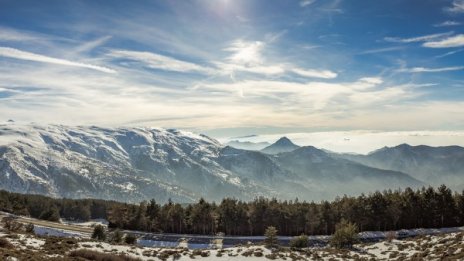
(284,141)
(283,144)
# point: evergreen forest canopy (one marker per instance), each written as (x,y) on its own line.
(384,211)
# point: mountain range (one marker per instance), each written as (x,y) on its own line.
(134,164)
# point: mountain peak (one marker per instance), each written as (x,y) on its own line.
(284,141)
(283,144)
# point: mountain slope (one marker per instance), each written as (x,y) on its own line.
(333,175)
(134,164)
(434,165)
(282,145)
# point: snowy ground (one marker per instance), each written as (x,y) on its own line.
(447,246)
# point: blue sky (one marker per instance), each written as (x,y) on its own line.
(233,67)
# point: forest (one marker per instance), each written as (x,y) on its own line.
(378,211)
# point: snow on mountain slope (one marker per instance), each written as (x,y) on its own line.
(134,164)
(127,164)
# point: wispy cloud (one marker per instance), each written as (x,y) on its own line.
(383,50)
(157,61)
(90,45)
(423,38)
(372,80)
(457,6)
(306,2)
(447,23)
(28,56)
(452,41)
(230,68)
(449,53)
(431,70)
(325,74)
(7,34)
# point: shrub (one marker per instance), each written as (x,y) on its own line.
(99,233)
(390,235)
(97,256)
(30,228)
(10,224)
(345,235)
(4,243)
(299,242)
(204,253)
(270,237)
(130,239)
(117,236)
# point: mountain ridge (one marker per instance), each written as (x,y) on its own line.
(141,163)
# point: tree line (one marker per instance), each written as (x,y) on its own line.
(383,211)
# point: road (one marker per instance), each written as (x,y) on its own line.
(49,224)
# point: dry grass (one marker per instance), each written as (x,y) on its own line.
(98,256)
(4,243)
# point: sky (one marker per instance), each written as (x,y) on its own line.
(235,67)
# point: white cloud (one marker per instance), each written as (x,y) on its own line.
(247,57)
(456,7)
(306,2)
(431,70)
(325,74)
(372,80)
(230,68)
(423,38)
(28,56)
(447,23)
(157,61)
(314,95)
(243,52)
(453,41)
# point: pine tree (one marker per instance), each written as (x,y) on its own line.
(270,235)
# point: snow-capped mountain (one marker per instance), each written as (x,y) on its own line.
(134,164)
(284,144)
(127,164)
